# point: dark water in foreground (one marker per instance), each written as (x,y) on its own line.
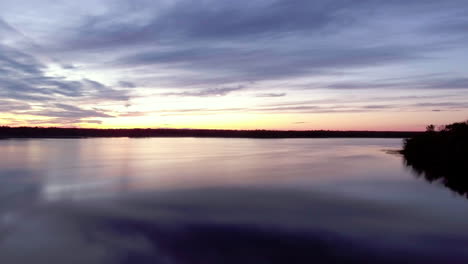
(188,200)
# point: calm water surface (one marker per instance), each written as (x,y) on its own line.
(194,200)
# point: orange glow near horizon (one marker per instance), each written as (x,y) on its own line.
(387,121)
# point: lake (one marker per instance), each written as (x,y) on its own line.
(210,200)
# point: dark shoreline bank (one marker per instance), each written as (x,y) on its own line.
(440,156)
(38,132)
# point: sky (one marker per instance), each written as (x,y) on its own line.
(268,64)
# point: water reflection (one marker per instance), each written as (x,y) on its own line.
(451,174)
(222,201)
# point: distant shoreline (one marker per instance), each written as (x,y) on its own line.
(53,132)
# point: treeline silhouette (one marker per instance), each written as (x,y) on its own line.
(441,155)
(54,132)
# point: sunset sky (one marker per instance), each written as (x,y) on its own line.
(284,64)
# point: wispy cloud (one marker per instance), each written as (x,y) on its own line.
(270,95)
(68,111)
(207,92)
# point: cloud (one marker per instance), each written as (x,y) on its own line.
(207,92)
(69,67)
(207,21)
(11,106)
(232,65)
(443,104)
(24,81)
(321,108)
(60,114)
(15,62)
(219,42)
(438,83)
(126,84)
(186,20)
(447,83)
(270,95)
(24,77)
(70,111)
